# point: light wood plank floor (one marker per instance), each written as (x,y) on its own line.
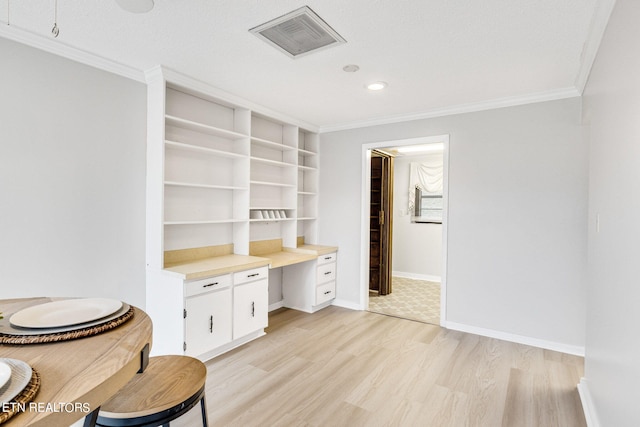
(341,367)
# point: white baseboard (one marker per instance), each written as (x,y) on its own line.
(587,403)
(417,276)
(276,305)
(520,339)
(347,304)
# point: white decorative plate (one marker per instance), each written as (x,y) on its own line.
(19,379)
(5,373)
(65,312)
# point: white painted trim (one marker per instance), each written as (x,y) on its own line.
(57,47)
(276,305)
(597,27)
(445,233)
(570,92)
(416,276)
(347,304)
(364,214)
(365,206)
(587,403)
(520,339)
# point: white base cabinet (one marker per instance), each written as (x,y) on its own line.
(207,317)
(310,286)
(250,301)
(207,324)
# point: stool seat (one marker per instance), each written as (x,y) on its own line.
(168,388)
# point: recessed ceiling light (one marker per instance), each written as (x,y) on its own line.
(376,86)
(351,68)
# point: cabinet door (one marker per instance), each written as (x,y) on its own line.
(250,307)
(208,321)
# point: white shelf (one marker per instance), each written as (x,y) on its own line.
(270,144)
(272,162)
(307,168)
(272,219)
(202,128)
(205,150)
(304,152)
(271,184)
(209,186)
(270,208)
(201,222)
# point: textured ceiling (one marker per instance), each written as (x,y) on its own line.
(434,54)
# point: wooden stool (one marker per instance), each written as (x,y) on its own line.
(168,388)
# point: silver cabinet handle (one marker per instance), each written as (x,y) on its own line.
(253,275)
(211,324)
(327,293)
(253,309)
(210,284)
(327,273)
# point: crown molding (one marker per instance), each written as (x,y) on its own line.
(492,104)
(57,47)
(190,84)
(597,27)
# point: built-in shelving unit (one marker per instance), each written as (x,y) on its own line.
(221,174)
(221,171)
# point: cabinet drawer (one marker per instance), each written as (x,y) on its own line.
(326,273)
(250,275)
(325,292)
(195,287)
(324,259)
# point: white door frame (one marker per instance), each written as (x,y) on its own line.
(364,219)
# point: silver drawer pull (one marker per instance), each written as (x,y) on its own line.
(327,257)
(327,293)
(253,309)
(253,275)
(210,284)
(211,324)
(327,273)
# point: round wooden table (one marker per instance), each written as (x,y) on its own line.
(85,372)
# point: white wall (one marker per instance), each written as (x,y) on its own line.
(72,179)
(517,216)
(417,248)
(612,106)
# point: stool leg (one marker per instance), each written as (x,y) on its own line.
(203,407)
(90,420)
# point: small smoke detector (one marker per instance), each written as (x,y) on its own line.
(298,33)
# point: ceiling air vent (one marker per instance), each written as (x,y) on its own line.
(298,33)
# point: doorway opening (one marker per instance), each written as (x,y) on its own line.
(414,220)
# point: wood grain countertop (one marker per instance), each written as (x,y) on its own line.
(83,371)
(288,256)
(318,249)
(216,266)
(197,263)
